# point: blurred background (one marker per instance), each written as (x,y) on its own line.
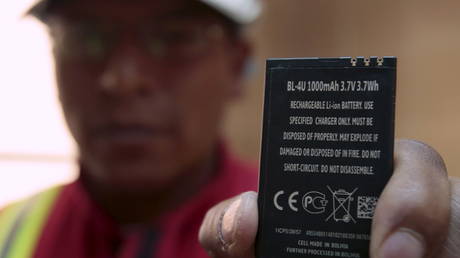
(36,150)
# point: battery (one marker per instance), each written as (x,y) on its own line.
(326,154)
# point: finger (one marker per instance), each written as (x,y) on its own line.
(412,216)
(452,245)
(229,228)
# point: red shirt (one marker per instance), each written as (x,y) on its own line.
(76,227)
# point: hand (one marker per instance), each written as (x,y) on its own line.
(418,214)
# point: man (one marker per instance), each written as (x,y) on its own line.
(143,85)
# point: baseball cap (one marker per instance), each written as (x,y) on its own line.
(239,11)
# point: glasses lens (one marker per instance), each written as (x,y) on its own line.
(87,42)
(169,41)
(179,40)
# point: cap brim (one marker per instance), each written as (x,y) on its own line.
(239,11)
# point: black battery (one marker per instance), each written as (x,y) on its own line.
(327,154)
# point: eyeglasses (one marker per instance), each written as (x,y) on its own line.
(172,40)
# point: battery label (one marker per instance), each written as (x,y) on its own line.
(327,154)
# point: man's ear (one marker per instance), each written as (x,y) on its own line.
(242,65)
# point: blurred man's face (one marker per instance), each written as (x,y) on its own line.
(143,85)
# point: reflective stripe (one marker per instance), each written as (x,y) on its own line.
(13,228)
(7,219)
(24,231)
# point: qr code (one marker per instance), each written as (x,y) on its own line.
(366,206)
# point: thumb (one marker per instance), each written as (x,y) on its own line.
(412,217)
(229,229)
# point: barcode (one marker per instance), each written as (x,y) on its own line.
(366,206)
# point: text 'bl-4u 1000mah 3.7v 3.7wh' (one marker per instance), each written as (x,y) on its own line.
(327,154)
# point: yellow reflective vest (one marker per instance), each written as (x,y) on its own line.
(21,224)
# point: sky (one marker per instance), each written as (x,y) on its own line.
(36,150)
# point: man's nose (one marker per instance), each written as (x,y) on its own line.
(128,71)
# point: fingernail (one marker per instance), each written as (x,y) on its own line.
(404,243)
(229,222)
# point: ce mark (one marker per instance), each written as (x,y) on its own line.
(291,200)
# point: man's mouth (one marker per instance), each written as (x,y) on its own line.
(132,134)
